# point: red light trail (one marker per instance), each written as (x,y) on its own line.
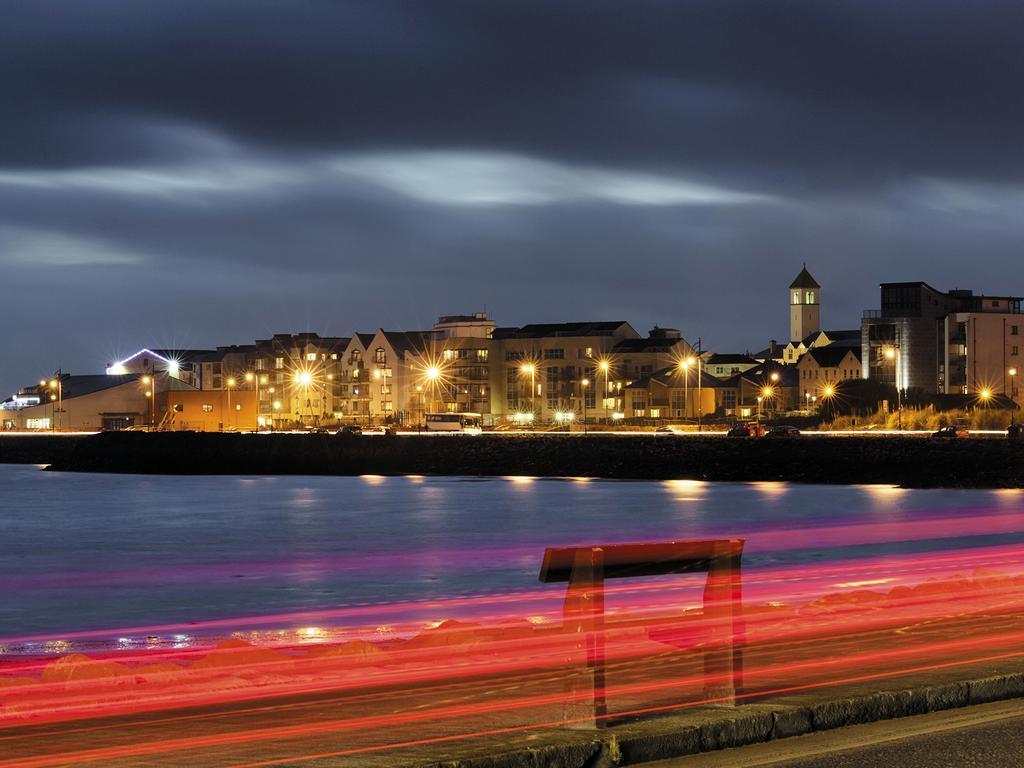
(297,687)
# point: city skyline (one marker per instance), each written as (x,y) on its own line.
(348,167)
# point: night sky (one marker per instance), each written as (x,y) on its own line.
(198,173)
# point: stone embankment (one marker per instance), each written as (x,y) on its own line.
(40,448)
(909,462)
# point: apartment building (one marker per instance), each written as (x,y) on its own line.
(939,342)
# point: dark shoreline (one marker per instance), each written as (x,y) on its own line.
(918,463)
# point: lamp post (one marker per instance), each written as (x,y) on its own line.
(893,353)
(604,366)
(58,385)
(684,366)
(304,379)
(583,384)
(700,399)
(253,379)
(150,382)
(529,369)
(432,375)
(277,410)
(759,415)
(231,382)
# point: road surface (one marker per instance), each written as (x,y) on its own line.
(984,736)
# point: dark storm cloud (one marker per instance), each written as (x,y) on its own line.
(225,170)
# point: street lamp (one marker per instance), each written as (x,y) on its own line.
(605,367)
(253,379)
(684,366)
(584,384)
(893,353)
(231,382)
(150,382)
(57,385)
(529,369)
(432,375)
(700,400)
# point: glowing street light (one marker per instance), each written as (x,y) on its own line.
(684,367)
(700,401)
(58,386)
(151,396)
(605,367)
(529,369)
(892,353)
(584,383)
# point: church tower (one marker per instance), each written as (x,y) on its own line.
(804,306)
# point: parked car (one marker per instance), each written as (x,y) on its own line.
(1014,432)
(746,429)
(350,429)
(316,430)
(380,431)
(952,431)
(783,430)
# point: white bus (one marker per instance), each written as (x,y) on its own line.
(467,423)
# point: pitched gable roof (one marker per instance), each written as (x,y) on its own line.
(831,356)
(804,280)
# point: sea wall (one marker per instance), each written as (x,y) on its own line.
(913,462)
(36,448)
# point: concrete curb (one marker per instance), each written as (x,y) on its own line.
(660,739)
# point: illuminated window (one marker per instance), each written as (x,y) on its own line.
(810,297)
(655,413)
(385,389)
(378,355)
(260,363)
(334,355)
(311,357)
(207,408)
(279,362)
(481,355)
(388,406)
(449,354)
(796,297)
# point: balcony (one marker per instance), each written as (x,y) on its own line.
(872,314)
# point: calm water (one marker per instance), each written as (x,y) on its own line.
(81,551)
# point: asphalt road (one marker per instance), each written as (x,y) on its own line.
(984,736)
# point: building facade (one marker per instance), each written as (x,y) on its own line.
(938,342)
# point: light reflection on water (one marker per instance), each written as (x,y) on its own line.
(84,551)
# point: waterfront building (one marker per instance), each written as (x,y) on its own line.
(939,342)
(673,392)
(208,410)
(821,369)
(776,385)
(295,376)
(89,403)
